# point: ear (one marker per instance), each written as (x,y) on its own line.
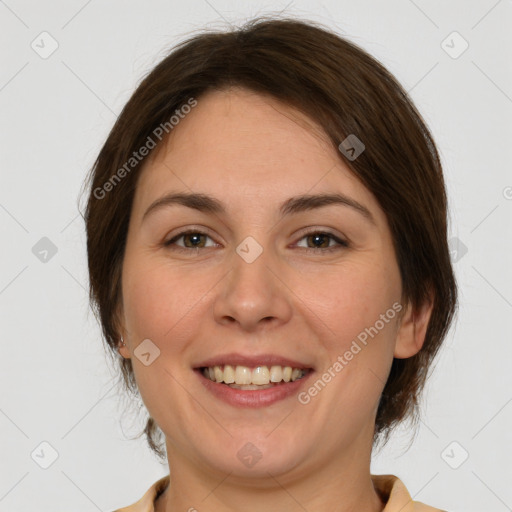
(412,329)
(122,349)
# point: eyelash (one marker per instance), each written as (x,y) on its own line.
(341,243)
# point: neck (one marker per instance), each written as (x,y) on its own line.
(340,485)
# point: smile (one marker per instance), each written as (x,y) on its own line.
(259,377)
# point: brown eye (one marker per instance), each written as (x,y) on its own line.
(194,238)
(319,241)
(191,240)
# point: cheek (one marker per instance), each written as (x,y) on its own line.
(353,300)
(362,322)
(160,307)
(158,300)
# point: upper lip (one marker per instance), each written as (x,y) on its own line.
(235,359)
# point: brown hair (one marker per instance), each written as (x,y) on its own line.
(343,89)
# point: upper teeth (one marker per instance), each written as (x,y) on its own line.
(259,375)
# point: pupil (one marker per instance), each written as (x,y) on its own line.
(195,237)
(317,237)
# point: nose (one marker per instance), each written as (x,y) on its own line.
(253,294)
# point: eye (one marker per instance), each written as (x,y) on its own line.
(193,239)
(321,241)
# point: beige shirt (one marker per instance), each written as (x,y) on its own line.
(390,488)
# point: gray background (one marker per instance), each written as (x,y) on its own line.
(56,112)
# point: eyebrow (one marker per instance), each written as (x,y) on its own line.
(208,204)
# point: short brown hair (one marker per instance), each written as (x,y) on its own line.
(346,91)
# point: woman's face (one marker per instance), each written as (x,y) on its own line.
(264,282)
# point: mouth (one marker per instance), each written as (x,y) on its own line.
(253,378)
(252,381)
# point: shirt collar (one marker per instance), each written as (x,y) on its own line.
(390,488)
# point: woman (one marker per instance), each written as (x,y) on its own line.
(266,235)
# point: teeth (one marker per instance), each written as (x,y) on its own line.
(276,374)
(261,377)
(296,373)
(229,374)
(218,374)
(243,375)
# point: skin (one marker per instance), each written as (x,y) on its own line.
(252,153)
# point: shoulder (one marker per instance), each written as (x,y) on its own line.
(396,497)
(146,503)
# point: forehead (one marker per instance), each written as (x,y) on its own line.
(238,145)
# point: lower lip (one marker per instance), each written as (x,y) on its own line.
(253,398)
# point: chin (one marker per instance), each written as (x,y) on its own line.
(251,454)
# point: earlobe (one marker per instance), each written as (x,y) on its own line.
(412,329)
(123,349)
(119,325)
